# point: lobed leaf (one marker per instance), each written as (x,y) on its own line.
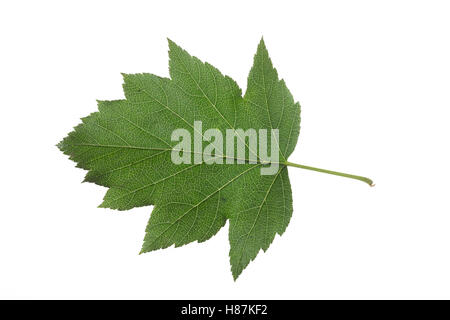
(126,146)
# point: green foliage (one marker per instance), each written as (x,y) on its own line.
(126,146)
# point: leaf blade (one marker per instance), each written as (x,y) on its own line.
(126,147)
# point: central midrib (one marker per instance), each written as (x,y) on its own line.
(173,149)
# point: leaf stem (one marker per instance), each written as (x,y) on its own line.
(336,173)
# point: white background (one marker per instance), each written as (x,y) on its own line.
(373,79)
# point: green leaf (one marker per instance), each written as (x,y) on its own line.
(126,146)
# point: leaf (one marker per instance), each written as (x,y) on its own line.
(126,146)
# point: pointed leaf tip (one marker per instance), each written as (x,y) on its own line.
(172,44)
(262,44)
